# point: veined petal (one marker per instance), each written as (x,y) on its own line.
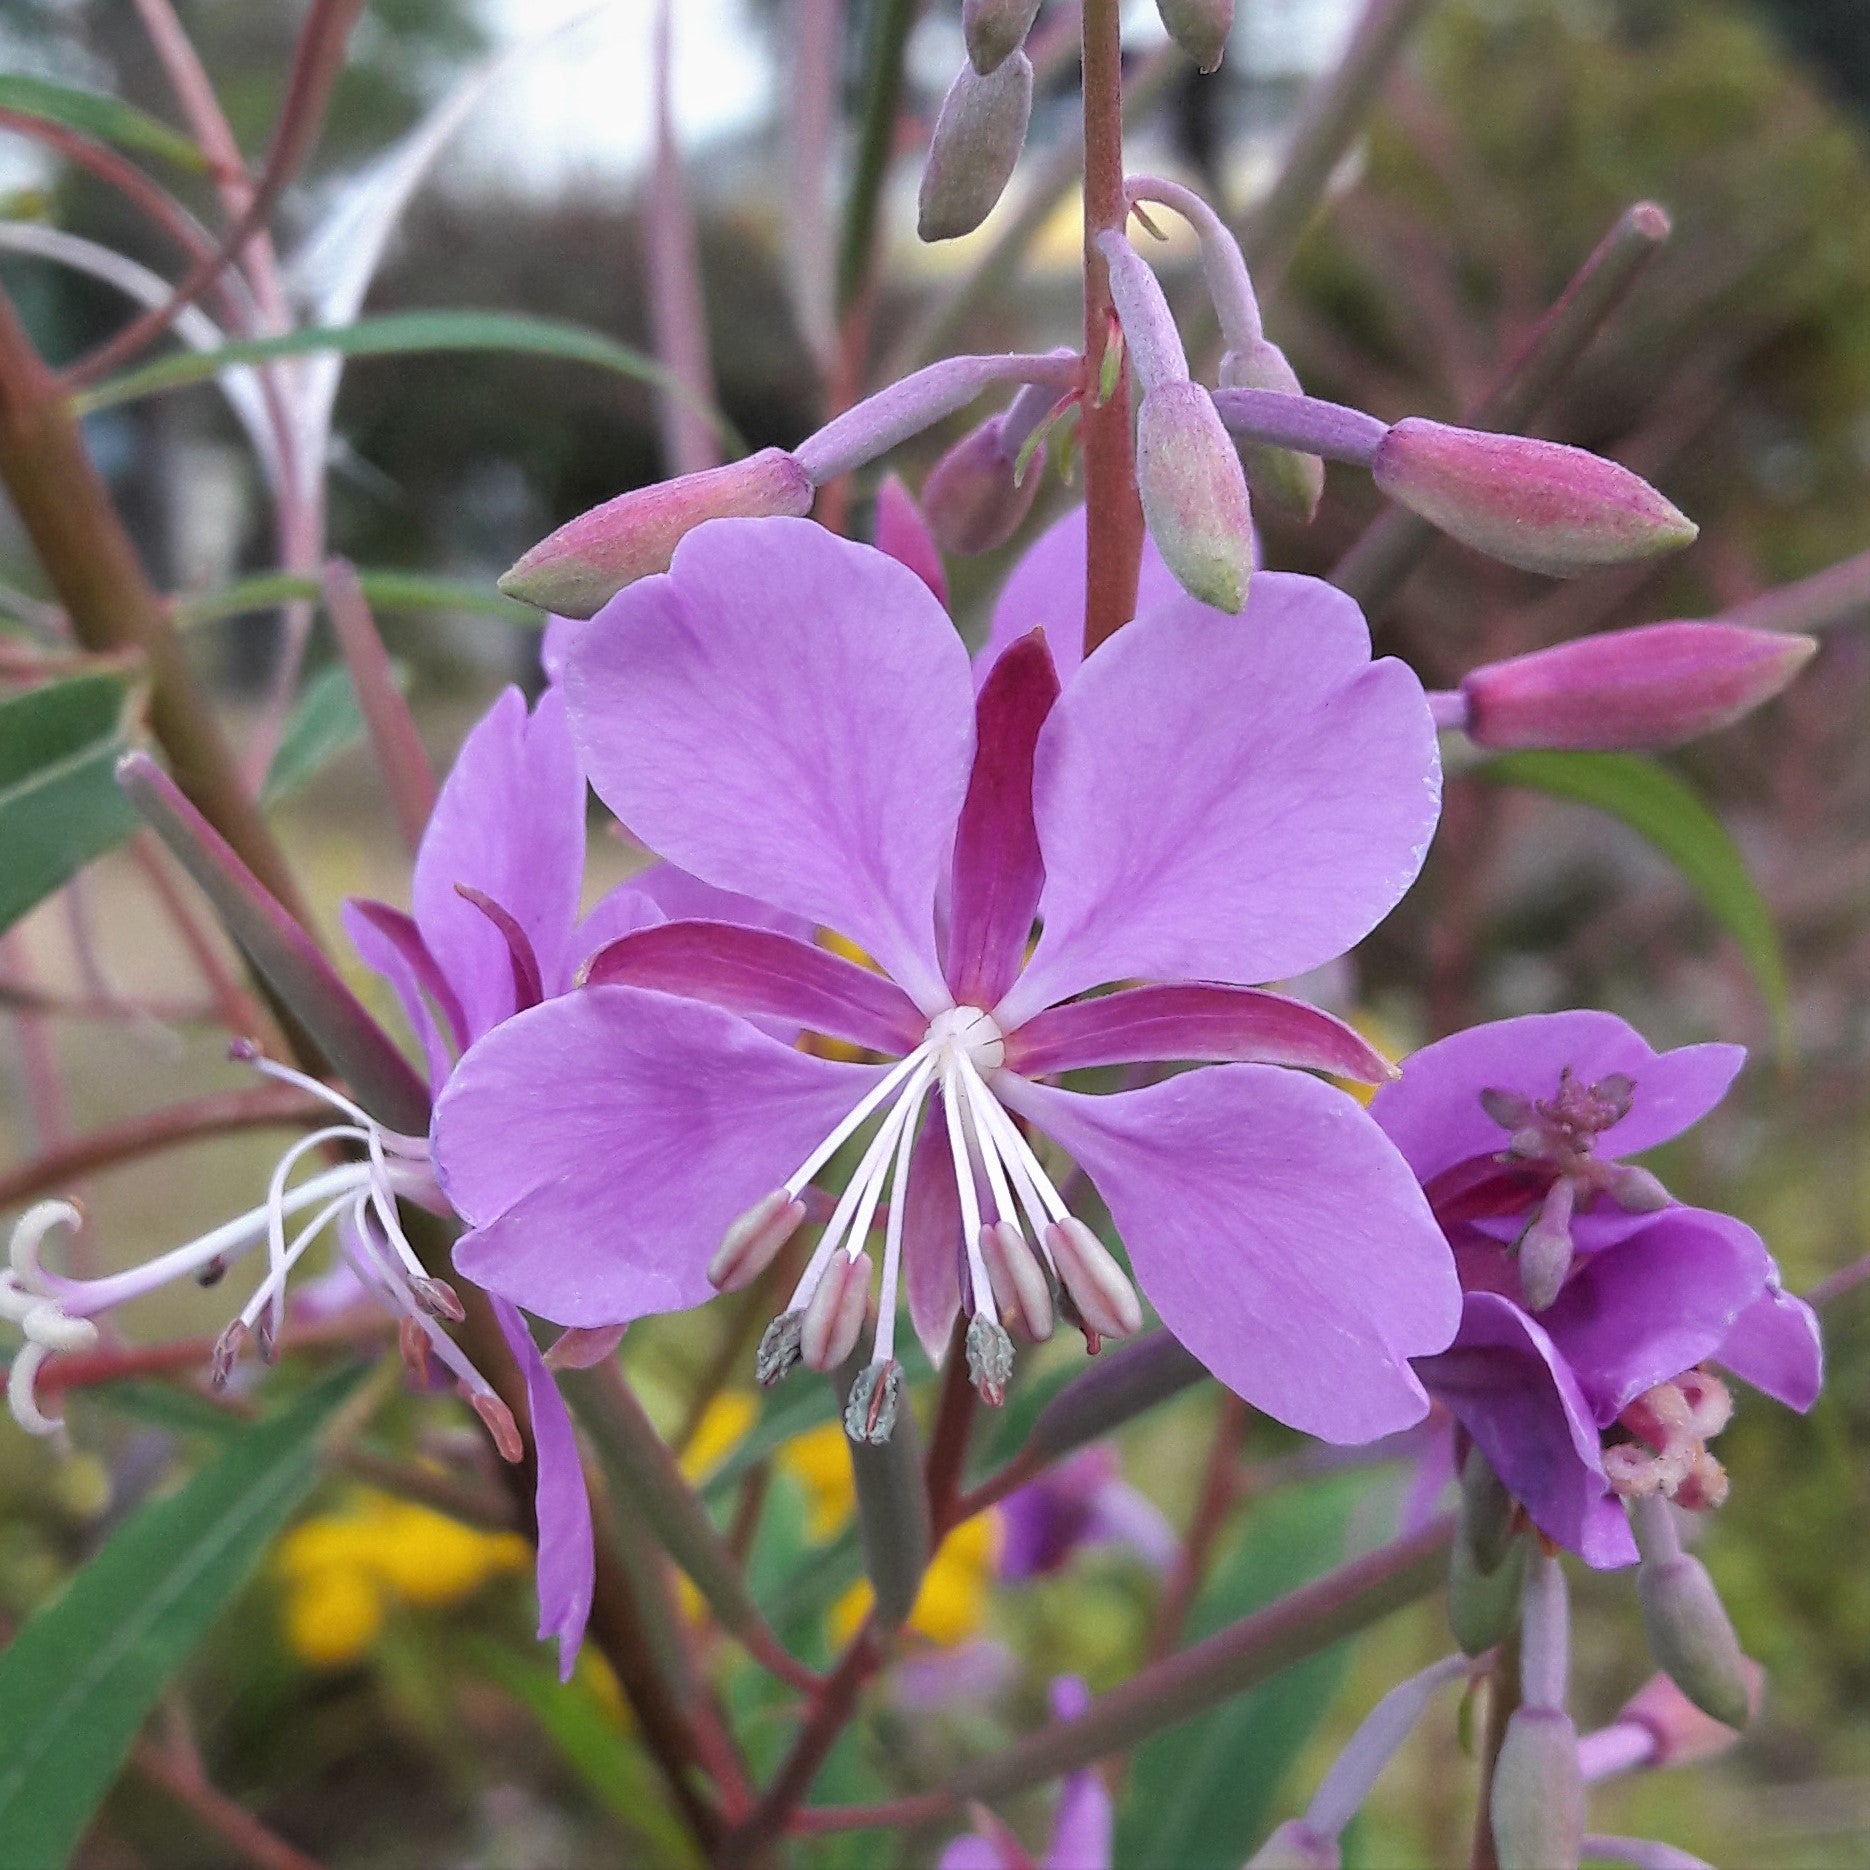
(1433,1115)
(600,1145)
(685,898)
(391,945)
(1775,1345)
(790,715)
(509,822)
(1657,1303)
(1046,591)
(1280,1237)
(1509,1387)
(760,973)
(997,874)
(1228,800)
(567,1563)
(1192,1021)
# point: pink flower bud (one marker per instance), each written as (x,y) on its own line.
(977,140)
(581,567)
(1194,494)
(1631,689)
(1538,1793)
(1536,504)
(1690,1635)
(1294,480)
(995,29)
(903,532)
(972,498)
(1679,1731)
(1199,27)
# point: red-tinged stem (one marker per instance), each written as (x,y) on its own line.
(265,1107)
(1219,1495)
(891,1815)
(1113,513)
(118,1363)
(954,1418)
(214,1811)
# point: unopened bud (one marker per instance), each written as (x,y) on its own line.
(871,1408)
(1641,689)
(975,497)
(834,1314)
(753,1242)
(1486,1512)
(995,29)
(1483,1606)
(1097,1286)
(1199,27)
(989,1359)
(976,145)
(1296,1846)
(1538,1793)
(903,533)
(1545,1249)
(582,566)
(779,1349)
(1020,1287)
(1539,505)
(1294,480)
(1195,495)
(1683,1617)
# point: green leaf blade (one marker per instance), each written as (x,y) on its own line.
(80,1677)
(103,118)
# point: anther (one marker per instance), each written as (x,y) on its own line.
(500,1425)
(779,1348)
(834,1314)
(583,1346)
(438,1298)
(753,1242)
(989,1359)
(226,1353)
(1020,1287)
(412,1342)
(1544,1250)
(876,1397)
(1098,1286)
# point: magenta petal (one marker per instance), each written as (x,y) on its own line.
(509,822)
(1280,1237)
(619,912)
(391,945)
(684,898)
(997,873)
(1643,1311)
(788,714)
(1775,1345)
(1227,800)
(1046,591)
(567,1563)
(1243,1024)
(762,974)
(1514,1393)
(931,1272)
(904,534)
(599,1146)
(1433,1114)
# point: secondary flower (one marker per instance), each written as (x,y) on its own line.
(1593,1299)
(1205,804)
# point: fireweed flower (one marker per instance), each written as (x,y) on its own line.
(1593,1300)
(790,715)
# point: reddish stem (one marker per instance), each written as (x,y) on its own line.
(954,1417)
(231,1822)
(1219,1495)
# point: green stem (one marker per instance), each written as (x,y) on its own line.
(883,89)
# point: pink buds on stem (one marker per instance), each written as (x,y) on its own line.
(1199,27)
(577,570)
(1539,505)
(1631,690)
(995,30)
(1296,481)
(975,148)
(1684,1619)
(976,496)
(1195,495)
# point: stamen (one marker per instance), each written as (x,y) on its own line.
(779,1348)
(795,1182)
(754,1241)
(953,1096)
(1093,1280)
(835,1313)
(875,1400)
(884,1349)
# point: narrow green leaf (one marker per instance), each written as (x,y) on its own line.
(1203,1795)
(405,334)
(168,1405)
(78,1680)
(107,119)
(1660,806)
(325,721)
(59,803)
(385,590)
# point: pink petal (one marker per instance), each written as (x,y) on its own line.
(790,715)
(931,1272)
(510,823)
(1046,591)
(391,945)
(1227,799)
(1433,1114)
(1191,1022)
(1280,1237)
(904,534)
(600,1144)
(997,874)
(1775,1345)
(759,973)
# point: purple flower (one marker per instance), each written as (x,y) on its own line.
(1592,1298)
(1205,804)
(1076,1503)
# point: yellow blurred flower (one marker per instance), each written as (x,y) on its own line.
(820,1461)
(952,1603)
(343,1572)
(722,1428)
(1384,1037)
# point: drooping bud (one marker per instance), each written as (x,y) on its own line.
(779,1348)
(995,29)
(1295,480)
(1544,1250)
(1642,689)
(876,1397)
(577,570)
(754,1241)
(834,1314)
(1539,505)
(1538,1793)
(1020,1287)
(903,532)
(1683,1617)
(1199,27)
(989,1359)
(975,148)
(1097,1286)
(1194,494)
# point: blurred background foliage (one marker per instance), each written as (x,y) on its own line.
(1737,377)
